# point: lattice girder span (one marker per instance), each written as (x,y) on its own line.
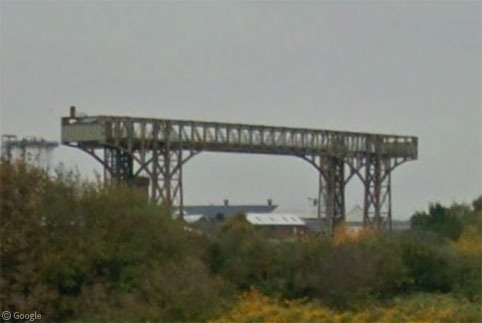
(157,149)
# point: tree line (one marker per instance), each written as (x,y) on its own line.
(77,250)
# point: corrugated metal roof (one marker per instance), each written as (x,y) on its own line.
(226,211)
(274,219)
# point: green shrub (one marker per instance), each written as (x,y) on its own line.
(432,264)
(445,221)
(72,250)
(241,254)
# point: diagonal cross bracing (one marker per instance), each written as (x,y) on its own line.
(157,149)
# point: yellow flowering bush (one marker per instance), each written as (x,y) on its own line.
(253,306)
(470,242)
(343,234)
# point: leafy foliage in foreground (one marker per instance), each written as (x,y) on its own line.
(449,222)
(252,306)
(73,250)
(347,270)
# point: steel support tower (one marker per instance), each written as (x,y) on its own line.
(37,151)
(152,152)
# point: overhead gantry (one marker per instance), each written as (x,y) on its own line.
(154,151)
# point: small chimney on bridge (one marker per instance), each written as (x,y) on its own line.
(72,111)
(270,202)
(226,202)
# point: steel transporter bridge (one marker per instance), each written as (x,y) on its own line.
(151,153)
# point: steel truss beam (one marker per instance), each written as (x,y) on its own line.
(157,149)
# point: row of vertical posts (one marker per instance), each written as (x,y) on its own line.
(166,184)
(164,165)
(377,212)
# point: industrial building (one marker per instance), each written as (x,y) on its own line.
(278,224)
(226,210)
(207,218)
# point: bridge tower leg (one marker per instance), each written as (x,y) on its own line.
(118,165)
(377,210)
(332,190)
(166,179)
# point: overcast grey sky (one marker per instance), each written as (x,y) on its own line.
(392,67)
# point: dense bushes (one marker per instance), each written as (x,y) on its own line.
(346,273)
(76,250)
(79,251)
(449,221)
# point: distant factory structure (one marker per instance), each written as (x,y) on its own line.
(207,218)
(32,150)
(278,224)
(226,210)
(353,221)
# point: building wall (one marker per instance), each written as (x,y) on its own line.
(283,231)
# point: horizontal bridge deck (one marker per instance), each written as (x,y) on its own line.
(142,133)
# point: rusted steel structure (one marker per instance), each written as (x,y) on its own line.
(132,149)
